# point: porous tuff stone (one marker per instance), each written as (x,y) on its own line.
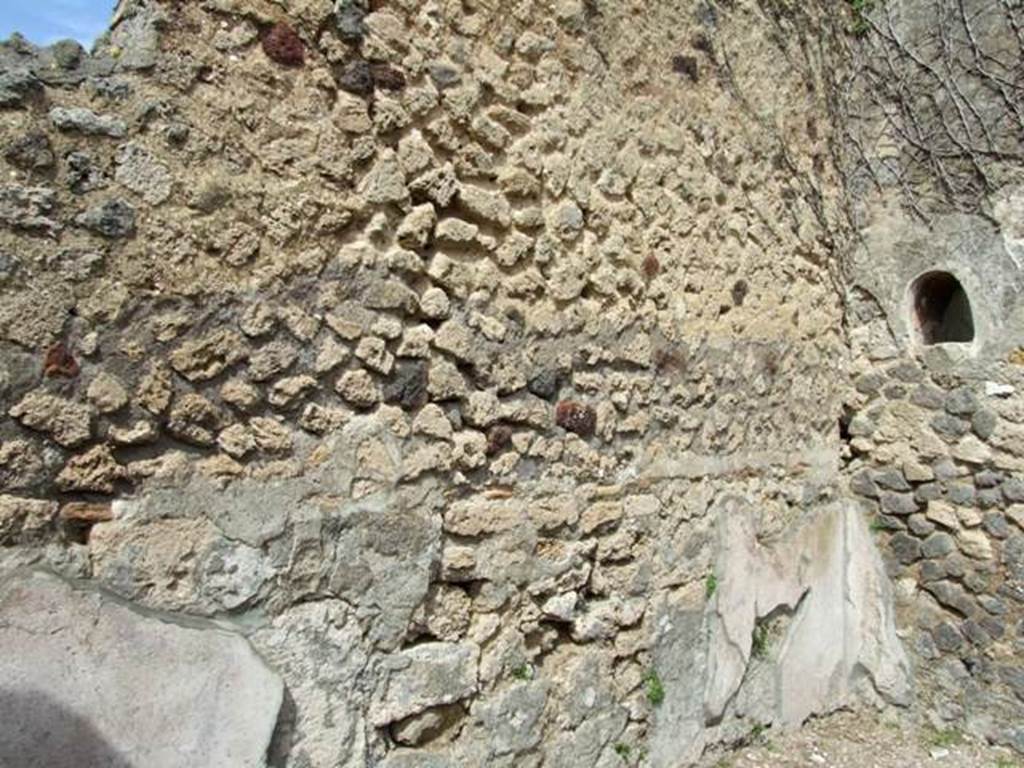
(68,423)
(87,681)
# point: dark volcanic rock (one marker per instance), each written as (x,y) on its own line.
(114,218)
(408,386)
(31,152)
(544,385)
(349,16)
(357,78)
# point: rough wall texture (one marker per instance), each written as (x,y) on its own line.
(935,433)
(481,363)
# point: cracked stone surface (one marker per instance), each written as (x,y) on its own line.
(88,680)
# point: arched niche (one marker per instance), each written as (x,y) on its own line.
(941,309)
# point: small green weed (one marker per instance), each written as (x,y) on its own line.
(1006,762)
(759,642)
(710,585)
(522,672)
(861,9)
(948,737)
(622,750)
(655,690)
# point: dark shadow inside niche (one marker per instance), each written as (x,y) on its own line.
(942,309)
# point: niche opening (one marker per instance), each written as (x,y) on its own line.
(942,310)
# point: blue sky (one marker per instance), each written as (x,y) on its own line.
(45,21)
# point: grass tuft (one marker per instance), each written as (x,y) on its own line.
(655,690)
(861,9)
(710,585)
(522,672)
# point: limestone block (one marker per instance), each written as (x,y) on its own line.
(431,421)
(417,226)
(385,182)
(512,719)
(272,359)
(488,206)
(240,394)
(195,419)
(96,470)
(828,575)
(1016,513)
(155,389)
(975,543)
(286,391)
(374,352)
(358,388)
(89,681)
(481,516)
(425,676)
(944,514)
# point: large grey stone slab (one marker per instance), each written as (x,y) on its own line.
(677,731)
(86,681)
(840,645)
(797,625)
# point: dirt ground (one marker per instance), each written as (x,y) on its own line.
(864,740)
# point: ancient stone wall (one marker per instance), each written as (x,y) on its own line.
(935,431)
(480,363)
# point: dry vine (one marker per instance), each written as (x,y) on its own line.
(935,101)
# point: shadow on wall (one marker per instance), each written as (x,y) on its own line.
(38,732)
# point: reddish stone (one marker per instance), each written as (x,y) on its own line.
(576,417)
(282,45)
(499,437)
(59,362)
(83,512)
(387,78)
(651,266)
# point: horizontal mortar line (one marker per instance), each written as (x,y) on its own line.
(819,459)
